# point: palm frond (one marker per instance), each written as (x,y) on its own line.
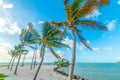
(75,6)
(102,3)
(91,24)
(84,41)
(86,9)
(58,44)
(54,53)
(58,24)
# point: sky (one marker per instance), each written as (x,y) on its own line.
(15,14)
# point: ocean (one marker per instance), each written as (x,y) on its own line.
(97,71)
(93,71)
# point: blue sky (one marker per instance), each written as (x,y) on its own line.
(15,14)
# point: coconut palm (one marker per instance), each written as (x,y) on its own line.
(16,54)
(25,52)
(11,53)
(76,10)
(19,48)
(29,37)
(50,39)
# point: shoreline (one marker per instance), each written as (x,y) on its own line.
(24,73)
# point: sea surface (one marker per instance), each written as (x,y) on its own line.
(97,71)
(93,71)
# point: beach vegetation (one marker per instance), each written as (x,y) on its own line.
(2,76)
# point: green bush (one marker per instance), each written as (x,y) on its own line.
(62,63)
(2,76)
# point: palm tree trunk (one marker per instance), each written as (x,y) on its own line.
(15,72)
(35,58)
(71,70)
(10,62)
(40,63)
(32,60)
(23,60)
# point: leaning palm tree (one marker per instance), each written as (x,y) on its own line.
(28,38)
(50,39)
(19,48)
(16,54)
(76,10)
(11,53)
(25,52)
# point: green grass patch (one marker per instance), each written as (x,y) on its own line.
(2,76)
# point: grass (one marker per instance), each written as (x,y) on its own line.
(2,76)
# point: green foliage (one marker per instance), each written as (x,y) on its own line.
(2,76)
(62,63)
(51,38)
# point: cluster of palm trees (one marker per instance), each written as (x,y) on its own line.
(14,54)
(52,34)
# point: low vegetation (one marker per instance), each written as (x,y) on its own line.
(2,76)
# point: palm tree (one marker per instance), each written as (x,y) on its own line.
(19,48)
(16,53)
(50,39)
(24,53)
(29,37)
(11,53)
(76,10)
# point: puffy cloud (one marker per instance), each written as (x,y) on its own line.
(5,5)
(68,42)
(4,48)
(6,26)
(40,22)
(95,14)
(111,25)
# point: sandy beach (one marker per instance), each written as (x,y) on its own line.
(24,73)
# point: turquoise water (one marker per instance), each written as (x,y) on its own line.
(94,71)
(97,71)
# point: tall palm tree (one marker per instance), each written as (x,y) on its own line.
(76,10)
(16,54)
(25,52)
(19,48)
(11,53)
(50,39)
(29,37)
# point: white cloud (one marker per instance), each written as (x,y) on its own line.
(108,48)
(40,22)
(68,42)
(4,48)
(118,2)
(95,14)
(8,6)
(118,58)
(5,5)
(96,49)
(6,26)
(111,25)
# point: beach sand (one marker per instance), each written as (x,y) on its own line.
(24,73)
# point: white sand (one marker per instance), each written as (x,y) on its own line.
(24,73)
